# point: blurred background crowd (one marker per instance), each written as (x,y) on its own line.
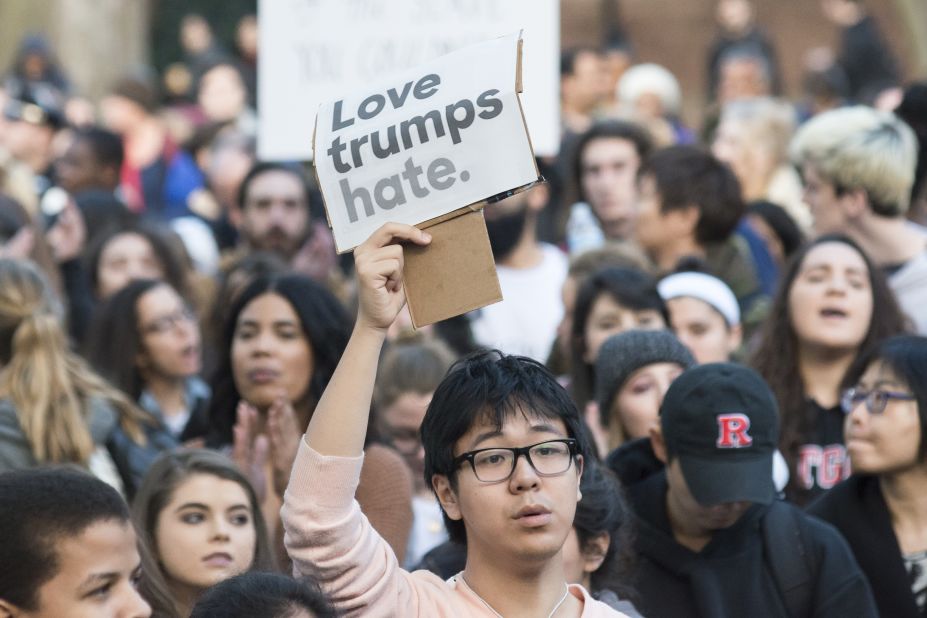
(161,286)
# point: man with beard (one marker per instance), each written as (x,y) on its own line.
(273,215)
(531,275)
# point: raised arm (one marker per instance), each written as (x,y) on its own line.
(339,423)
(326,534)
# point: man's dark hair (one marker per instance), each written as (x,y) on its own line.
(270,166)
(269,595)
(913,110)
(609,129)
(490,387)
(38,507)
(569,56)
(603,508)
(781,223)
(105,145)
(689,176)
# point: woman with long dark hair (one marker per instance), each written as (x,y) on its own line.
(833,305)
(283,338)
(146,341)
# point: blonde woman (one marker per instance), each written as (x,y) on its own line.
(53,407)
(753,138)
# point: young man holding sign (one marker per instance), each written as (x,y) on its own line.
(504,452)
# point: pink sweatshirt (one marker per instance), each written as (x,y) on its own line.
(328,538)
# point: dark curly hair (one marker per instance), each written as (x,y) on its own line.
(324,322)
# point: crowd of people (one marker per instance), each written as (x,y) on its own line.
(704,393)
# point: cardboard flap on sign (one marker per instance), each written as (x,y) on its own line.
(456,272)
(427,147)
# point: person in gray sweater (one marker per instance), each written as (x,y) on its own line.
(53,408)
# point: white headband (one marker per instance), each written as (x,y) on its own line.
(705,288)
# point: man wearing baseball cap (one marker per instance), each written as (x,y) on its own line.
(713,540)
(30,129)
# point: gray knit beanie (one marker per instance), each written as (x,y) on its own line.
(624,353)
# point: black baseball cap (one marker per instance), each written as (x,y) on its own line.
(722,423)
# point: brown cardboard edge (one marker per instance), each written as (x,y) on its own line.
(521,109)
(524,122)
(315,173)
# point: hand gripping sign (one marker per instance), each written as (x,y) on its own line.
(430,147)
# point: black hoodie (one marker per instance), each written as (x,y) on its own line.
(857,508)
(730,576)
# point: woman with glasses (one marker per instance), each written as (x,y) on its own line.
(833,305)
(882,509)
(146,341)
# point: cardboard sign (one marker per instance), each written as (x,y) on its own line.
(454,274)
(313,50)
(425,142)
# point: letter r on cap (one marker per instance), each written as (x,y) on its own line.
(732,431)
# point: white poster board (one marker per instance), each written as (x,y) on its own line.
(313,50)
(426,141)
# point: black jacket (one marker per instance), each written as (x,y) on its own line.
(822,461)
(867,61)
(730,576)
(857,509)
(633,461)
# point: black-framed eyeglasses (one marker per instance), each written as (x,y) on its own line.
(168,322)
(876,399)
(493,465)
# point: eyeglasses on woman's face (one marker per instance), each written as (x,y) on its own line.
(166,323)
(876,399)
